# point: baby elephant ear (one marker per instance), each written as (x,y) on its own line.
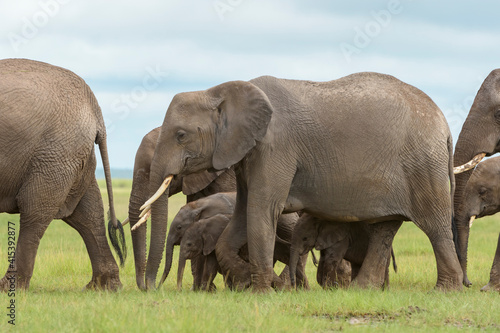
(214,228)
(243,113)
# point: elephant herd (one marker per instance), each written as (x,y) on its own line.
(271,168)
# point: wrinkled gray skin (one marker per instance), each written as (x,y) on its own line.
(335,241)
(366,147)
(195,186)
(221,204)
(50,121)
(482,198)
(480,134)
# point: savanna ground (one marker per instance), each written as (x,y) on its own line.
(56,303)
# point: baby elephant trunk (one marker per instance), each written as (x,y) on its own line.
(180,272)
(294,259)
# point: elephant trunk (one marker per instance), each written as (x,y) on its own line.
(137,198)
(169,253)
(159,218)
(180,271)
(469,144)
(294,259)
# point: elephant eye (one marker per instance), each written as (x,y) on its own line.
(179,227)
(482,191)
(497,115)
(180,136)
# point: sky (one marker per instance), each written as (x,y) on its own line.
(136,55)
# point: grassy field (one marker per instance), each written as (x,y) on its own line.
(55,302)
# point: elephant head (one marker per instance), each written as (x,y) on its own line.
(199,240)
(211,129)
(479,137)
(482,192)
(220,203)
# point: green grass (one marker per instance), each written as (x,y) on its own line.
(55,302)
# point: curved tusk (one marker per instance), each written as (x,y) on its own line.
(472,218)
(142,220)
(469,165)
(145,211)
(158,193)
(126,221)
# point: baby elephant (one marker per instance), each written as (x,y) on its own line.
(199,242)
(219,203)
(336,242)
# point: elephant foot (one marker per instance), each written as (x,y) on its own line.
(104,283)
(11,283)
(491,286)
(466,281)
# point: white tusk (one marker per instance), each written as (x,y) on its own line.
(145,210)
(472,218)
(126,221)
(163,187)
(142,220)
(469,165)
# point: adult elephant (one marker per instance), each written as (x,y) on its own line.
(195,186)
(366,147)
(50,120)
(479,137)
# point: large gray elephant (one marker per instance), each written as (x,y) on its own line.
(195,186)
(50,120)
(366,147)
(479,137)
(482,198)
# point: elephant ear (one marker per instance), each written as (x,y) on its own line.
(243,115)
(330,235)
(215,226)
(195,182)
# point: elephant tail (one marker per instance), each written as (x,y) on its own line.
(115,228)
(394,265)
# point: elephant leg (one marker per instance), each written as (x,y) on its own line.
(197,268)
(235,270)
(209,272)
(494,283)
(39,201)
(450,275)
(343,273)
(372,272)
(32,228)
(88,220)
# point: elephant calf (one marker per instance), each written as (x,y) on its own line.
(336,242)
(482,198)
(204,208)
(199,242)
